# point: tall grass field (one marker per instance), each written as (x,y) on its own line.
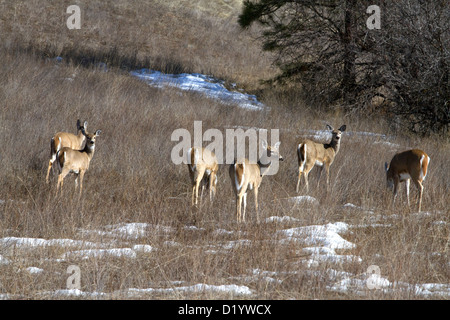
(133,233)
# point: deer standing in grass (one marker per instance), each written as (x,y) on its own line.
(203,167)
(65,139)
(76,161)
(406,166)
(311,153)
(246,175)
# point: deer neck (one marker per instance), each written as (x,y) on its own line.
(334,144)
(89,150)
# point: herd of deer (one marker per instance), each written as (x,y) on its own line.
(71,157)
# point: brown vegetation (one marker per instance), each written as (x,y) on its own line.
(132,179)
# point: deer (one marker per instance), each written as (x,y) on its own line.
(203,167)
(65,139)
(76,161)
(312,154)
(405,166)
(246,175)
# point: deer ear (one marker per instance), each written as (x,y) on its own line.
(329,127)
(342,128)
(85,124)
(386,166)
(97,133)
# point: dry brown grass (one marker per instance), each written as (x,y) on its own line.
(132,178)
(195,36)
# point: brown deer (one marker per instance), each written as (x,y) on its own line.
(65,139)
(246,175)
(311,153)
(406,166)
(203,167)
(76,161)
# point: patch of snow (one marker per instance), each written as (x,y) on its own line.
(388,144)
(206,85)
(130,230)
(223,232)
(304,199)
(281,219)
(34,270)
(321,241)
(197,288)
(236,243)
(193,228)
(367,134)
(355,207)
(100,253)
(328,255)
(364,283)
(317,135)
(347,285)
(324,235)
(145,248)
(72,293)
(38,242)
(3,260)
(171,243)
(427,289)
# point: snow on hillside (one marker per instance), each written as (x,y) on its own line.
(203,84)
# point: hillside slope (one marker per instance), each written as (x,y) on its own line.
(196,36)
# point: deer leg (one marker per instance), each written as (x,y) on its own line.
(420,195)
(396,182)
(299,176)
(61,177)
(212,188)
(319,175)
(420,189)
(407,190)
(244,197)
(193,194)
(256,203)
(198,180)
(201,192)
(50,163)
(81,181)
(327,171)
(306,173)
(192,176)
(238,207)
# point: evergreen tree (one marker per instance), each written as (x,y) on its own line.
(327,48)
